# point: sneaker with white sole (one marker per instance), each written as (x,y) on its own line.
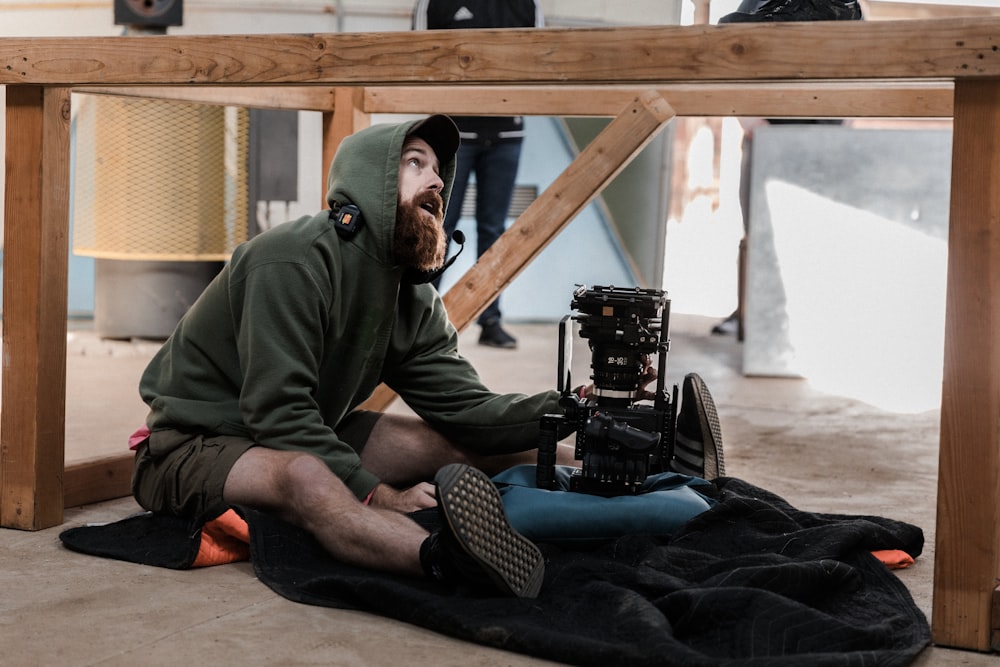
(698,439)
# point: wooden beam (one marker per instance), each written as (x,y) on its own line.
(631,55)
(297,98)
(882,99)
(879,99)
(966,566)
(36,255)
(96,480)
(603,158)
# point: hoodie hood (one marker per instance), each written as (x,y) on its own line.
(365,172)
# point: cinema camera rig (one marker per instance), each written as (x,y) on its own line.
(619,440)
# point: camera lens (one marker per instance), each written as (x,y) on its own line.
(616,371)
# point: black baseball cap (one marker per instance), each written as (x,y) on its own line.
(441,133)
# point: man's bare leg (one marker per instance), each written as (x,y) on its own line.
(303,491)
(403,450)
(300,488)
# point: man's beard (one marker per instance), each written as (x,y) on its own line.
(419,243)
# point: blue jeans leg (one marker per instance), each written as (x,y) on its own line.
(495,166)
(496,170)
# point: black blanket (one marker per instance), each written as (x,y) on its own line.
(752,581)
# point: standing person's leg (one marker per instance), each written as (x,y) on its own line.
(734,323)
(496,174)
(464,161)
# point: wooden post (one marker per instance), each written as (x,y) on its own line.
(584,179)
(36,209)
(966,565)
(346,118)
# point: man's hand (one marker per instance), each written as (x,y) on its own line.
(647,377)
(417,497)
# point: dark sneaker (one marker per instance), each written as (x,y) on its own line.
(752,11)
(728,326)
(493,335)
(698,443)
(479,546)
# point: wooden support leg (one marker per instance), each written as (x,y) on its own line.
(966,564)
(584,179)
(346,118)
(36,209)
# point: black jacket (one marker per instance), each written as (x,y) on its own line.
(469,14)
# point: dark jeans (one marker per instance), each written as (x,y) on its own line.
(495,167)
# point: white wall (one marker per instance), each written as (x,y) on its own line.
(38,18)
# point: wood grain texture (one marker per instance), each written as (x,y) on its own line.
(36,210)
(968,527)
(967,47)
(297,98)
(880,99)
(96,480)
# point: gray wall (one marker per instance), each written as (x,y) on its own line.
(847,256)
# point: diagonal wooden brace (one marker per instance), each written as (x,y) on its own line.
(584,179)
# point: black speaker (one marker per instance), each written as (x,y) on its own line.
(154,13)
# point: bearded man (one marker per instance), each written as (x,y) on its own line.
(253,399)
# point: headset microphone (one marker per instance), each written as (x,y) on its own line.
(415,277)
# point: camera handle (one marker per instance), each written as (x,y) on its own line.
(548,443)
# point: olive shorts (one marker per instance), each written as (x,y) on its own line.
(184,474)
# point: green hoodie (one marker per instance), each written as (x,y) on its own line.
(301,326)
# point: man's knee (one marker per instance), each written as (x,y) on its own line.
(295,484)
(305,474)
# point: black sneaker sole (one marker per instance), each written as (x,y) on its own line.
(474,511)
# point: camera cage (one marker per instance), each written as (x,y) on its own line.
(620,440)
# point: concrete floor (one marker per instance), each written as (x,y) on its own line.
(821,452)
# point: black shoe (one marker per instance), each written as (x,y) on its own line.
(698,445)
(728,326)
(493,335)
(752,11)
(479,547)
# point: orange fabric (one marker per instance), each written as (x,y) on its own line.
(225,539)
(894,559)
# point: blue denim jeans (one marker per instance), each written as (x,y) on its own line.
(495,167)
